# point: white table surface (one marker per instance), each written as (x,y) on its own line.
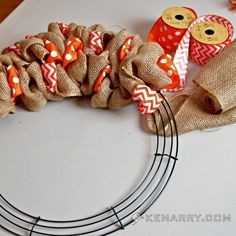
(69,160)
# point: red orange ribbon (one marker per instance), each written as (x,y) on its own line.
(165,62)
(73,46)
(126,48)
(103,74)
(14,81)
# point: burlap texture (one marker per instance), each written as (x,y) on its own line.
(16,59)
(83,33)
(33,49)
(100,99)
(55,39)
(218,79)
(140,67)
(145,62)
(77,71)
(119,98)
(54,28)
(211,104)
(114,47)
(65,86)
(6,59)
(5,92)
(6,107)
(95,64)
(32,97)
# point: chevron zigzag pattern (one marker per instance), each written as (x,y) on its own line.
(200,53)
(148,100)
(96,41)
(49,71)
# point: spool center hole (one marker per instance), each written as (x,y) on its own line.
(179,17)
(209,32)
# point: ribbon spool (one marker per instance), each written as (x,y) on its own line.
(206,37)
(169,29)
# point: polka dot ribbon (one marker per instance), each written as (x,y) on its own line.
(167,36)
(14,81)
(148,101)
(73,46)
(168,32)
(49,69)
(165,62)
(54,55)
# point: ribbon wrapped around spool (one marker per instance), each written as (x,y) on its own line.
(169,29)
(206,37)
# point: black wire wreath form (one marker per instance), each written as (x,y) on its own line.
(117,217)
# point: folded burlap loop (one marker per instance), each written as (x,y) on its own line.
(77,71)
(5,59)
(55,39)
(6,107)
(16,59)
(32,97)
(65,86)
(35,73)
(147,69)
(32,49)
(119,98)
(114,47)
(218,79)
(95,64)
(211,104)
(83,33)
(101,98)
(140,66)
(54,28)
(5,91)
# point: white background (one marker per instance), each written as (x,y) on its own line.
(69,160)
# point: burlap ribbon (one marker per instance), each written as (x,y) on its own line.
(211,104)
(139,67)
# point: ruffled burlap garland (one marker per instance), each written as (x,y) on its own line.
(78,79)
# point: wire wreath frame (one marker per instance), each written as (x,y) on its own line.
(115,218)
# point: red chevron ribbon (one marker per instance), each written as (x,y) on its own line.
(199,52)
(96,41)
(65,29)
(14,48)
(148,100)
(49,71)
